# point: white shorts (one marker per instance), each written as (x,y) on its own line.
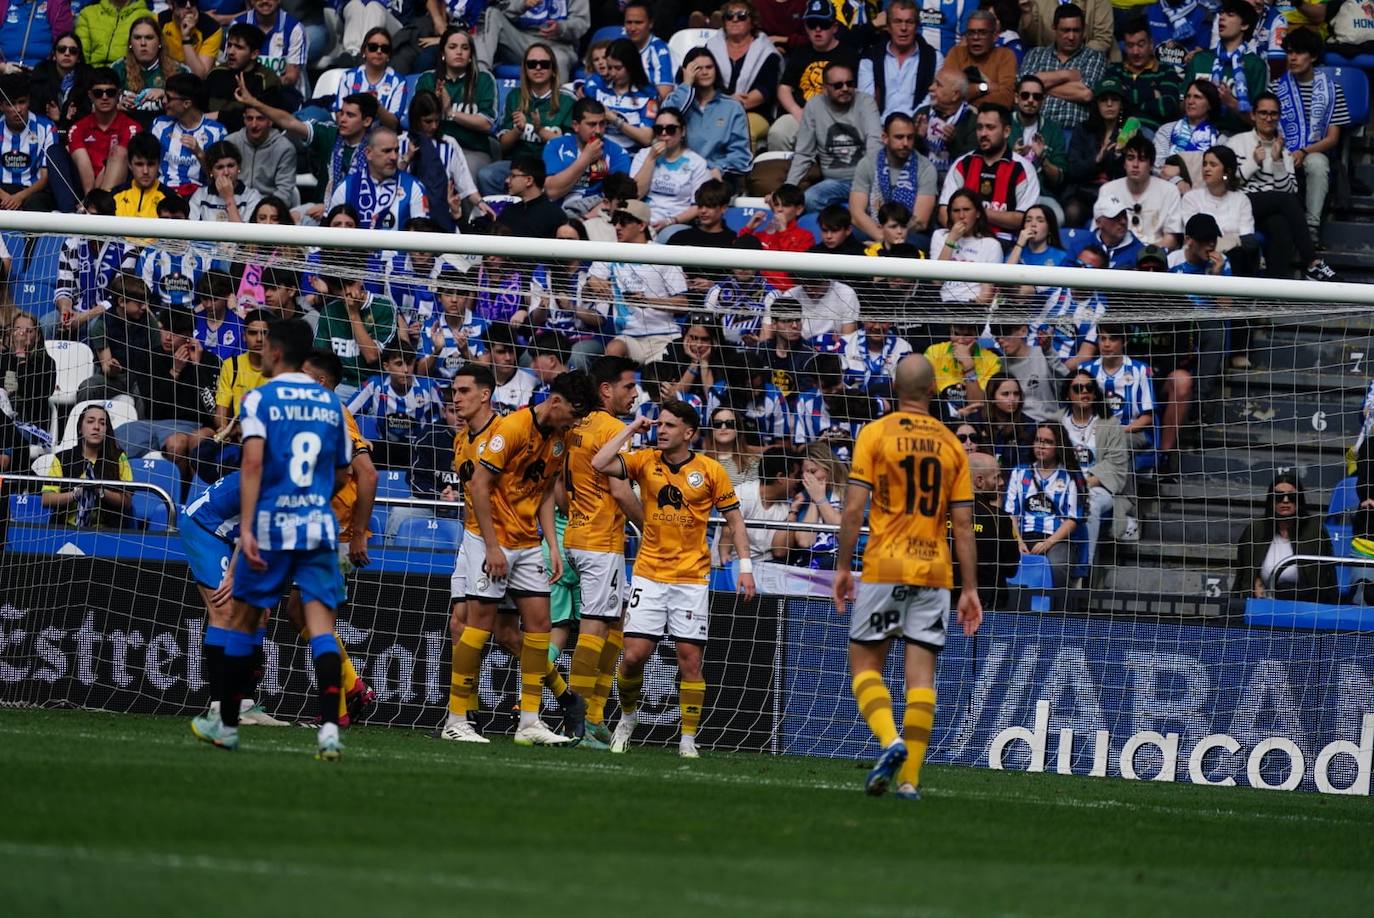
(885,610)
(602,575)
(680,610)
(526,574)
(457,584)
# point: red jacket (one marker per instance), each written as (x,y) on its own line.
(792,239)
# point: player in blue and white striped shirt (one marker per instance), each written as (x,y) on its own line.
(24,142)
(1046,500)
(404,406)
(296,454)
(185,133)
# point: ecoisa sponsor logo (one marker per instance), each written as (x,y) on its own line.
(1166,747)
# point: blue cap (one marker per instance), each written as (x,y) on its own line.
(821,10)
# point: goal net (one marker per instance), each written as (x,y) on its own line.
(1174,438)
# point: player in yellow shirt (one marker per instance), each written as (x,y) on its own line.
(512,502)
(668,594)
(595,541)
(916,474)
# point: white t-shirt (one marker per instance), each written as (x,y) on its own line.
(674,185)
(515,393)
(637,320)
(981,249)
(1160,211)
(837,307)
(754,510)
(1279,550)
(206,204)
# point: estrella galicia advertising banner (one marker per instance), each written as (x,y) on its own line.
(1154,700)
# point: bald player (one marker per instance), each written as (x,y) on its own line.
(916,474)
(998,554)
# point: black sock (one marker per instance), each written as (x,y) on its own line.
(259,667)
(214,670)
(329,676)
(237,673)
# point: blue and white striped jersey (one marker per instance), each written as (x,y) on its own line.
(390,203)
(305,442)
(559,316)
(172,276)
(812,421)
(658,62)
(287,42)
(414,299)
(402,417)
(638,107)
(1071,319)
(24,152)
(650,409)
(1129,391)
(85,267)
(768,410)
(224,341)
(868,369)
(390,90)
(449,358)
(218,508)
(1040,503)
(180,165)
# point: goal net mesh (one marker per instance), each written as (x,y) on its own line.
(1173,415)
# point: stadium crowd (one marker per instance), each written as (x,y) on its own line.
(1193,138)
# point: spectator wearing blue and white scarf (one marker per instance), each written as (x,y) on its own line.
(1312,114)
(383,196)
(1239,74)
(895,173)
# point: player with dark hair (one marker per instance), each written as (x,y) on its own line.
(917,474)
(295,453)
(668,594)
(595,541)
(511,494)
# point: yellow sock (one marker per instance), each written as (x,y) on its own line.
(630,687)
(605,676)
(585,663)
(350,675)
(555,681)
(692,697)
(875,704)
(916,723)
(534,667)
(467,659)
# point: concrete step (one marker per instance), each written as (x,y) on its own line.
(1252,469)
(1170,553)
(1277,414)
(1349,234)
(1332,378)
(1175,529)
(1268,437)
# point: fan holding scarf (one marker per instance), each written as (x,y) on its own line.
(1312,112)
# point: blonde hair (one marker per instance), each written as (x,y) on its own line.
(823,455)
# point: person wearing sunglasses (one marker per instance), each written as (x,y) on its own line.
(715,125)
(27,39)
(978,55)
(668,173)
(643,299)
(1112,220)
(802,74)
(725,443)
(838,128)
(376,77)
(99,142)
(1104,457)
(191,36)
(1287,527)
(536,112)
(59,87)
(1039,139)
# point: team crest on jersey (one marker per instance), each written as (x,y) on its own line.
(670,496)
(495,444)
(695,479)
(557,448)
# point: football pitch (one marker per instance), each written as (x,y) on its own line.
(114,815)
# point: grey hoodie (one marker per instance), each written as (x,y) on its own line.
(269,168)
(835,139)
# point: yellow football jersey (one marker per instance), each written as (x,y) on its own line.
(917,470)
(949,376)
(677,504)
(468,445)
(595,521)
(527,457)
(347,496)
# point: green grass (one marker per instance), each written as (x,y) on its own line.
(119,815)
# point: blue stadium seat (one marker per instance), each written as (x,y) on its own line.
(28,508)
(158,472)
(368,426)
(1355,83)
(737,217)
(376,525)
(430,534)
(1360,61)
(34,273)
(1074,239)
(197,488)
(1343,498)
(393,483)
(506,72)
(503,89)
(150,511)
(1034,575)
(607,33)
(812,224)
